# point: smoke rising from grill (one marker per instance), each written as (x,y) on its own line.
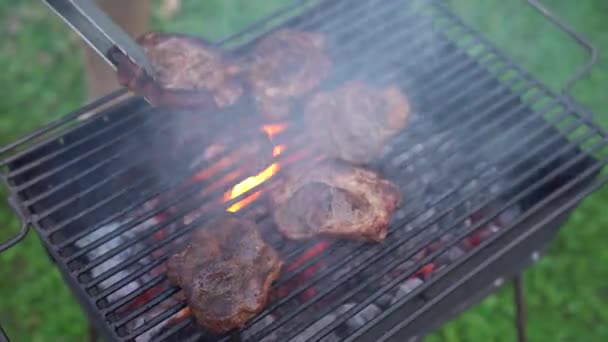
(471,145)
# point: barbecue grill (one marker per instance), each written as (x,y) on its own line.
(490,166)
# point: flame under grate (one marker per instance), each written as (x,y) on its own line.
(486,144)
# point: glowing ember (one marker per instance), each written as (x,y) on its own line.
(249,184)
(277,150)
(183,313)
(306,274)
(273,130)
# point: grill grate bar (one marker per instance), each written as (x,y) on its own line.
(459,236)
(54,171)
(155,321)
(51,127)
(156,281)
(62,204)
(390,247)
(177,327)
(111,128)
(148,305)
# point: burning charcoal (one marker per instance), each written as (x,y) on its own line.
(384,301)
(450,255)
(258,326)
(405,288)
(361,317)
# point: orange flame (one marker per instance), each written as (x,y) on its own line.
(273,130)
(247,185)
(277,150)
(254,181)
(244,202)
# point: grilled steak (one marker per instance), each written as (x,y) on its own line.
(225,271)
(334,199)
(189,72)
(355,121)
(285,65)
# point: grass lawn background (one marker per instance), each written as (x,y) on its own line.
(567,292)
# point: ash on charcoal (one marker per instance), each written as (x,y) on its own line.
(153,332)
(384,301)
(421,219)
(509,215)
(450,256)
(111,263)
(317,327)
(361,317)
(406,287)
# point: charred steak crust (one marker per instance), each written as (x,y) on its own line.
(334,199)
(355,121)
(285,65)
(191,73)
(226,271)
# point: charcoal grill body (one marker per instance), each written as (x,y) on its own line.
(66,183)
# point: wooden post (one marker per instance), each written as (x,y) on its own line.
(133,16)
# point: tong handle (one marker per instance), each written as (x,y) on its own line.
(580,40)
(99,30)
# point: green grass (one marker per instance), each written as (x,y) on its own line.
(567,292)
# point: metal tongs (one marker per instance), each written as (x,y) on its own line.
(100,31)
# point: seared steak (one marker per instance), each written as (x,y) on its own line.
(189,72)
(285,65)
(334,199)
(225,271)
(355,121)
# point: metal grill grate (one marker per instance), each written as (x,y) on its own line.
(488,148)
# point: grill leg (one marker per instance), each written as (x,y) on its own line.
(520,308)
(93,337)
